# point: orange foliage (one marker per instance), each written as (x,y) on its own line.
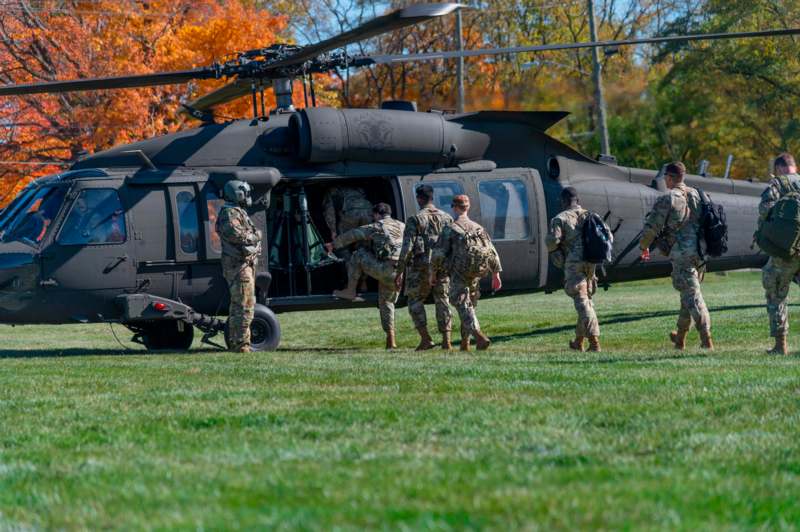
(83,39)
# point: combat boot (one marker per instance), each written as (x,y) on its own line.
(349,292)
(705,340)
(482,341)
(594,344)
(465,344)
(446,343)
(576,344)
(391,343)
(425,340)
(678,338)
(781,346)
(244,349)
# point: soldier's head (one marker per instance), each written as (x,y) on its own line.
(784,164)
(238,193)
(673,174)
(424,195)
(460,204)
(569,197)
(381,211)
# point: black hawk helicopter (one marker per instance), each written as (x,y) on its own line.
(127,235)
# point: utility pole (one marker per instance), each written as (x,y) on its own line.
(600,99)
(459,64)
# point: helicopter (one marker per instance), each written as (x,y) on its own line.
(127,235)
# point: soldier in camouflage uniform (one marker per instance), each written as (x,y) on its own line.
(378,260)
(463,246)
(421,234)
(778,273)
(565,244)
(241,245)
(674,221)
(345,208)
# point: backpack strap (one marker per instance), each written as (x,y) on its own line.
(786,186)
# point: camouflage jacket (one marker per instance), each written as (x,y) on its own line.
(774,191)
(421,235)
(240,238)
(564,239)
(675,221)
(446,256)
(339,201)
(384,236)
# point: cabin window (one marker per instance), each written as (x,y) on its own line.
(96,218)
(443,192)
(214,204)
(504,208)
(187,221)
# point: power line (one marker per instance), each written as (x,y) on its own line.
(37,163)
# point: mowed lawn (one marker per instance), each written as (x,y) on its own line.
(333,432)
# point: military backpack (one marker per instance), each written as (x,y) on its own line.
(474,253)
(385,245)
(713,226)
(596,239)
(779,234)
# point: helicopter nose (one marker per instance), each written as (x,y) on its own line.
(19,273)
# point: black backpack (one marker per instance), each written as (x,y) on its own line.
(713,226)
(597,240)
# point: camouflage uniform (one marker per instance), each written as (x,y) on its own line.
(565,244)
(384,237)
(464,288)
(345,208)
(778,273)
(421,234)
(241,245)
(675,219)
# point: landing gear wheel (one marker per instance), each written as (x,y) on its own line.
(265,331)
(168,335)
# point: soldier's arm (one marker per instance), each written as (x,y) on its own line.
(359,234)
(555,235)
(441,250)
(768,198)
(407,248)
(236,230)
(654,223)
(494,265)
(329,212)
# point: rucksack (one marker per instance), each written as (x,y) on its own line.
(713,227)
(385,245)
(779,234)
(474,256)
(597,240)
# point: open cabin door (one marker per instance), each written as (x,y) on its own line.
(509,203)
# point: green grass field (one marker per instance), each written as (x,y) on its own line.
(333,432)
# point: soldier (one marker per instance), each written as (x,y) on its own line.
(345,208)
(378,260)
(674,223)
(421,234)
(565,244)
(778,273)
(241,245)
(466,251)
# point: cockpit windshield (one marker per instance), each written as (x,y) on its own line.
(33,215)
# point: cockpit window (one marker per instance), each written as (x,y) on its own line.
(96,218)
(35,216)
(16,204)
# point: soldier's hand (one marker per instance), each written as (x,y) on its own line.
(329,247)
(432,278)
(497,283)
(645,256)
(398,282)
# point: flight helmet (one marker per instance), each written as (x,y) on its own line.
(238,193)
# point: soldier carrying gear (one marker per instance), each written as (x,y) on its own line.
(345,208)
(465,250)
(421,234)
(565,244)
(378,259)
(241,246)
(675,218)
(778,273)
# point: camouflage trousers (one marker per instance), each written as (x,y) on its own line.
(384,271)
(241,277)
(351,220)
(776,277)
(464,295)
(687,274)
(580,283)
(418,287)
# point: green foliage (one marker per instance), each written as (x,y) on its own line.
(333,432)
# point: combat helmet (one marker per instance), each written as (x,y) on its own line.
(238,193)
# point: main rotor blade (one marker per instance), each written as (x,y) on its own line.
(224,94)
(117,82)
(388,59)
(397,19)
